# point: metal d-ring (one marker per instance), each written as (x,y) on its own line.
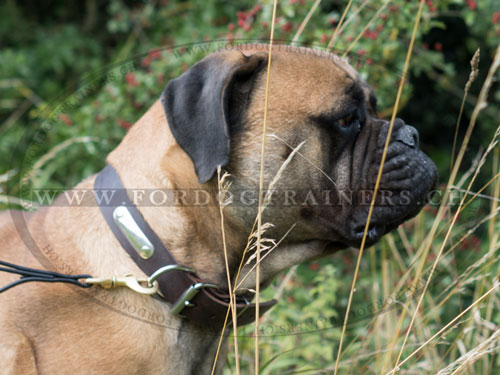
(165,269)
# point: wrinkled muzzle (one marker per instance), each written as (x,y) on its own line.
(407,179)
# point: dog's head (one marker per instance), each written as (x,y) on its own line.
(215,111)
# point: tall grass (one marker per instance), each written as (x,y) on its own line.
(435,278)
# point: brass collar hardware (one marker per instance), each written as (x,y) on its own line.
(141,286)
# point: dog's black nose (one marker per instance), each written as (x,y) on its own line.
(408,135)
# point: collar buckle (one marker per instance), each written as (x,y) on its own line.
(186,297)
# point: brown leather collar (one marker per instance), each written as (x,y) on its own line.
(189,296)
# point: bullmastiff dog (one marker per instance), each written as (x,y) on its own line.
(211,116)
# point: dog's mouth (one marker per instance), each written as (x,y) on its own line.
(376,230)
(373,234)
(348,229)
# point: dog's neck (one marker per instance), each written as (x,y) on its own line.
(162,164)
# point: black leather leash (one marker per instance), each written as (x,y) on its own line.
(31,274)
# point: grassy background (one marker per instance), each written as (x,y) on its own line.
(73,78)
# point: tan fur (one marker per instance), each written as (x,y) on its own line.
(61,329)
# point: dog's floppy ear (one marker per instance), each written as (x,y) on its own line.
(197,107)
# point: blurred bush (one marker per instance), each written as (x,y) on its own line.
(50,50)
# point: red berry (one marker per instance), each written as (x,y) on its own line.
(125,124)
(314,266)
(472,4)
(287,27)
(231,26)
(66,119)
(265,24)
(241,15)
(145,62)
(349,38)
(257,8)
(393,8)
(247,27)
(495,18)
(241,22)
(369,61)
(383,16)
(130,79)
(323,38)
(380,27)
(292,2)
(332,21)
(362,52)
(438,46)
(155,55)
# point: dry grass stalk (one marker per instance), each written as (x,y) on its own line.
(451,324)
(223,185)
(479,106)
(53,153)
(305,22)
(375,16)
(377,183)
(472,77)
(276,244)
(353,15)
(252,240)
(335,33)
(261,188)
(472,355)
(305,158)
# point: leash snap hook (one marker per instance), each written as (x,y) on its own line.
(141,286)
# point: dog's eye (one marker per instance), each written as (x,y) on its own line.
(348,120)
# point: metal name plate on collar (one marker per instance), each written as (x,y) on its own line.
(132,232)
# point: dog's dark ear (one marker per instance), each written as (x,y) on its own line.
(197,107)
